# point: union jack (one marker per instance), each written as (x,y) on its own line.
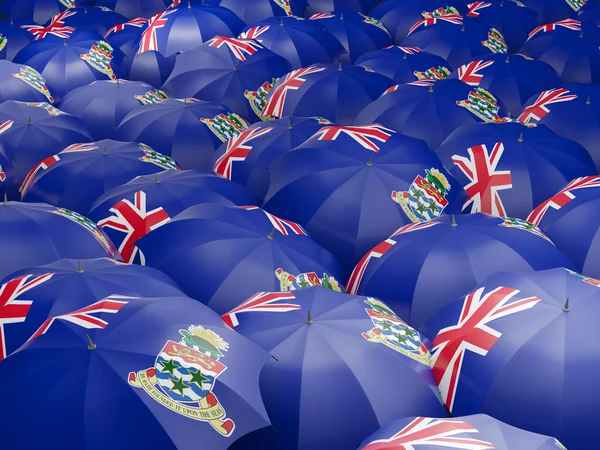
(410,50)
(394,88)
(238,150)
(254,32)
(263,302)
(569,24)
(432,432)
(539,108)
(76,148)
(148,40)
(44,164)
(236,46)
(485,181)
(475,7)
(138,22)
(56,27)
(414,227)
(279,224)
(13,310)
(291,82)
(359,271)
(6,126)
(136,222)
(562,197)
(365,135)
(469,73)
(428,21)
(472,333)
(426,82)
(323,15)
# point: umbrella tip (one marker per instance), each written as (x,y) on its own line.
(370,161)
(405,56)
(85,10)
(5,199)
(29,121)
(156,179)
(342,16)
(463,27)
(453,224)
(91,345)
(104,152)
(280,22)
(581,35)
(79,267)
(65,42)
(431,87)
(271,235)
(507,60)
(520,137)
(118,82)
(235,68)
(587,102)
(289,124)
(189,4)
(566,307)
(309,319)
(340,66)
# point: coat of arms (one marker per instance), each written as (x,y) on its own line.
(258,98)
(225,126)
(184,376)
(588,280)
(87,224)
(68,3)
(99,58)
(33,78)
(576,5)
(3,42)
(158,159)
(484,105)
(151,97)
(52,110)
(425,198)
(511,222)
(2,175)
(448,10)
(289,282)
(433,73)
(285,5)
(375,22)
(495,42)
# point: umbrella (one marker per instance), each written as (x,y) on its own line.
(22,83)
(135,8)
(589,13)
(455,38)
(478,431)
(301,42)
(38,11)
(335,92)
(186,129)
(407,270)
(8,179)
(102,105)
(151,67)
(551,11)
(351,187)
(220,255)
(123,37)
(431,111)
(508,169)
(323,6)
(166,361)
(251,11)
(405,64)
(512,78)
(96,18)
(12,38)
(522,347)
(570,217)
(227,70)
(184,28)
(358,33)
(570,47)
(569,111)
(322,343)
(35,234)
(79,174)
(69,58)
(247,157)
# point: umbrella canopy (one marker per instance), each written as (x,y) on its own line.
(128,212)
(166,361)
(228,71)
(250,250)
(79,174)
(251,11)
(135,8)
(478,431)
(323,6)
(301,42)
(512,78)
(554,10)
(321,342)
(522,347)
(405,270)
(187,129)
(335,92)
(508,169)
(358,33)
(570,47)
(247,157)
(590,12)
(96,18)
(431,110)
(570,218)
(405,64)
(102,105)
(151,67)
(351,187)
(22,83)
(36,233)
(38,11)
(12,38)
(124,35)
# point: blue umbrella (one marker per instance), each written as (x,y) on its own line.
(250,250)
(35,234)
(188,130)
(570,47)
(358,33)
(551,11)
(251,11)
(246,158)
(301,42)
(102,105)
(476,432)
(508,169)
(166,361)
(570,217)
(73,59)
(497,352)
(151,67)
(405,64)
(38,11)
(431,111)
(325,348)
(407,270)
(335,92)
(323,6)
(96,18)
(9,181)
(181,28)
(512,78)
(124,36)
(135,8)
(22,83)
(589,13)
(351,187)
(227,70)
(12,38)
(79,174)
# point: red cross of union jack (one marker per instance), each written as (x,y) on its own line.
(359,271)
(322,15)
(56,27)
(475,7)
(44,164)
(562,197)
(365,135)
(136,222)
(539,108)
(414,227)
(238,150)
(472,333)
(279,224)
(485,180)
(454,19)
(469,73)
(239,47)
(291,82)
(13,310)
(148,40)
(569,24)
(410,50)
(261,302)
(76,148)
(254,32)
(138,22)
(6,126)
(432,432)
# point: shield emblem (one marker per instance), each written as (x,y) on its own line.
(397,332)
(424,200)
